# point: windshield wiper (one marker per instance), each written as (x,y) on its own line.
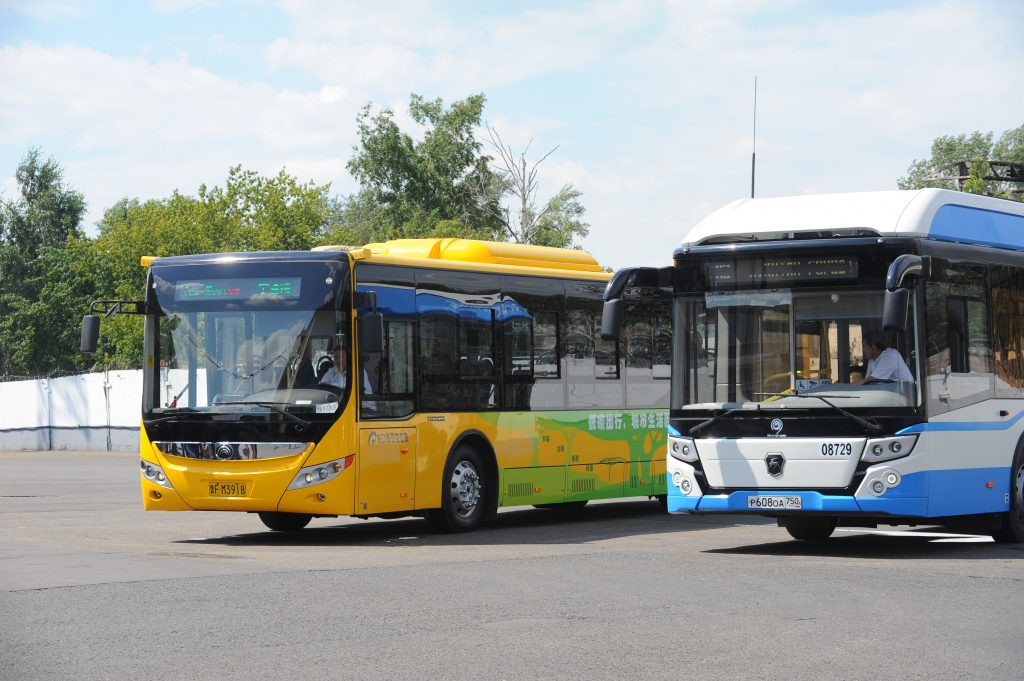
(862,422)
(182,413)
(704,424)
(273,406)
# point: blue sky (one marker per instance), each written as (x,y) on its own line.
(649,103)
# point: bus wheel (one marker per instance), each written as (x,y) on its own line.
(463,493)
(1012,530)
(285,522)
(809,529)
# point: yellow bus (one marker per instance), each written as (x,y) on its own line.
(435,377)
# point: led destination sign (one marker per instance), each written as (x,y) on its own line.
(238,289)
(780,269)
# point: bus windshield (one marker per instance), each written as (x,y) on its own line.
(249,337)
(766,348)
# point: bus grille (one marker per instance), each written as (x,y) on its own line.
(520,489)
(584,485)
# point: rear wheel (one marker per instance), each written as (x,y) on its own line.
(809,529)
(463,493)
(285,522)
(1012,530)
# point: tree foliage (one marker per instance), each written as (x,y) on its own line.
(412,185)
(415,188)
(250,213)
(975,148)
(43,271)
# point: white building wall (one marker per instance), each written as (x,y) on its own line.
(97,411)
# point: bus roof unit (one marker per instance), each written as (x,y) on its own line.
(487,253)
(929,213)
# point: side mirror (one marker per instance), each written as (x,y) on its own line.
(894,310)
(371,332)
(90,333)
(611,319)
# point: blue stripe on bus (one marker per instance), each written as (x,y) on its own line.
(929,494)
(950,426)
(962,224)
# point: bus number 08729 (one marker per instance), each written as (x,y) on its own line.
(836,449)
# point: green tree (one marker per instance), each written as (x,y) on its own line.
(416,188)
(975,148)
(46,275)
(250,213)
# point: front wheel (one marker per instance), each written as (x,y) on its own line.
(1012,530)
(809,529)
(285,522)
(463,493)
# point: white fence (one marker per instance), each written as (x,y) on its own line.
(91,411)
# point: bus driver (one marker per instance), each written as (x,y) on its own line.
(884,363)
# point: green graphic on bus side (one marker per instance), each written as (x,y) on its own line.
(606,454)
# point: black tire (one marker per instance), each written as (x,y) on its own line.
(809,529)
(285,522)
(1012,530)
(662,501)
(464,493)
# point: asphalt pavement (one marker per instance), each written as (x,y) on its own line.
(91,587)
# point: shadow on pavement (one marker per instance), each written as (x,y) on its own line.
(595,522)
(918,544)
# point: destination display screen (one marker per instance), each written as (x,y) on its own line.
(771,270)
(257,288)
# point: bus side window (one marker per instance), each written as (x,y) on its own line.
(958,343)
(1007,302)
(391,377)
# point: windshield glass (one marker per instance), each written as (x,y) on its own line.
(249,337)
(762,348)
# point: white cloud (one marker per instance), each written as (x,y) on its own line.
(848,97)
(144,128)
(46,10)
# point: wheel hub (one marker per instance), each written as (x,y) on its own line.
(465,489)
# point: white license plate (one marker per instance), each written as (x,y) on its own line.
(769,502)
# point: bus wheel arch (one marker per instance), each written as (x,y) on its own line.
(1011,526)
(469,485)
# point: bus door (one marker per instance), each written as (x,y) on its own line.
(387,470)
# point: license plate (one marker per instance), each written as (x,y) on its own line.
(767,502)
(235,488)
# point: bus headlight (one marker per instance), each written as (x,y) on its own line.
(682,448)
(320,473)
(154,473)
(888,448)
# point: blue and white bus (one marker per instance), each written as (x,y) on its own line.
(778,408)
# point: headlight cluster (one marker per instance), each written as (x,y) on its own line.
(324,472)
(155,474)
(888,448)
(682,448)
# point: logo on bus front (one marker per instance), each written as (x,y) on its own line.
(776,426)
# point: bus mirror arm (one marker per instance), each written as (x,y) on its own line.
(91,322)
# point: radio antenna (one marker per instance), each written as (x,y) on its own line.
(753,147)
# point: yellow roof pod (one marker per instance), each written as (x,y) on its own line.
(488,253)
(146,260)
